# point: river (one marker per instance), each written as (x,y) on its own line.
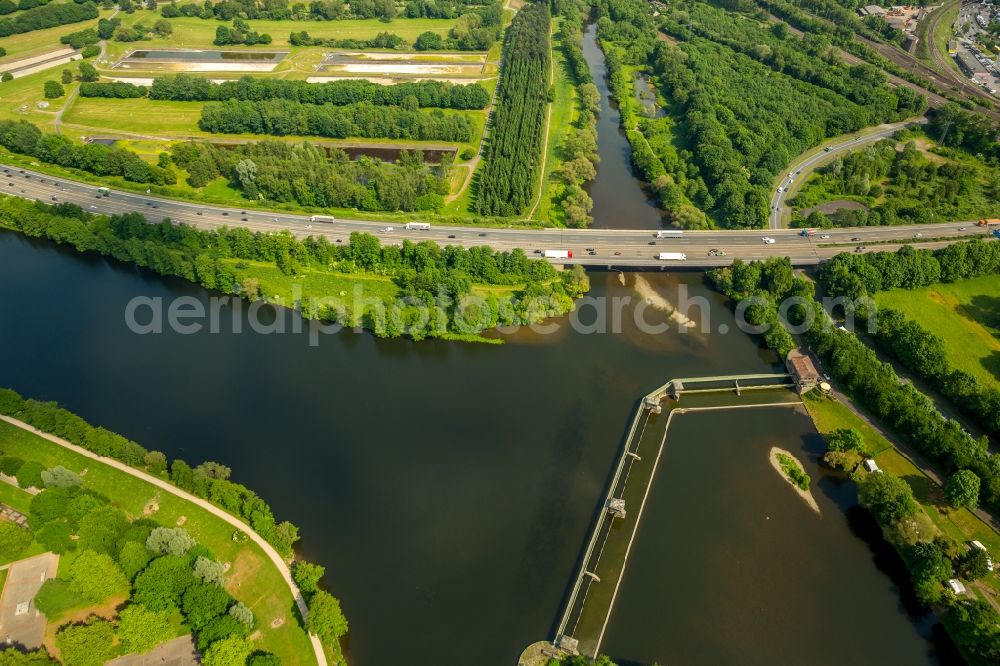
(447,488)
(620,202)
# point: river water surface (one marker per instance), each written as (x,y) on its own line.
(447,488)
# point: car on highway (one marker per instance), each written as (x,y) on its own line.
(827,149)
(482,235)
(387,230)
(451,235)
(855,239)
(716,253)
(652,243)
(860,248)
(242,219)
(55,198)
(618,254)
(961,228)
(825,237)
(918,235)
(592,252)
(767,240)
(781,189)
(198,212)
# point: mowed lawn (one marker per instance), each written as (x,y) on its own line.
(144,116)
(36,42)
(965,314)
(252,579)
(196,33)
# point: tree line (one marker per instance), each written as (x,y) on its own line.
(24,138)
(281,117)
(188,88)
(48,16)
(513,153)
(383,40)
(896,404)
(314,176)
(434,284)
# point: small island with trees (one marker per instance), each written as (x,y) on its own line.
(792,471)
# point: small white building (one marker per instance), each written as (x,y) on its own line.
(956,586)
(871,467)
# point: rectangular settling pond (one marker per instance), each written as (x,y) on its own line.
(731,566)
(182,60)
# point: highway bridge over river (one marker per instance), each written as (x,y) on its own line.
(608,248)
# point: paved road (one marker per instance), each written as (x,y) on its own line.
(268,549)
(611,247)
(804,166)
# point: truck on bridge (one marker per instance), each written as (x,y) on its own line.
(557,254)
(417,226)
(325,219)
(807,232)
(673,256)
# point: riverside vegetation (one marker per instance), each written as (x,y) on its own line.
(974,625)
(159,580)
(418,290)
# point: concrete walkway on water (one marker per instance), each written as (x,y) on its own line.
(268,549)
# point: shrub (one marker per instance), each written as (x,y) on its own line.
(10,464)
(242,614)
(307,575)
(53,89)
(140,629)
(202,603)
(325,618)
(101,529)
(86,644)
(30,475)
(133,558)
(90,51)
(49,505)
(208,571)
(169,541)
(13,540)
(55,536)
(962,489)
(60,477)
(95,577)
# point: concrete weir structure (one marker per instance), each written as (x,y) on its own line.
(588,607)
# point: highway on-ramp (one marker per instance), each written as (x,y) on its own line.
(802,167)
(594,247)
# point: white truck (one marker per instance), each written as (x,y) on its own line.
(669,233)
(417,226)
(326,219)
(557,254)
(673,256)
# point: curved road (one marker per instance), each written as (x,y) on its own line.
(804,165)
(268,549)
(595,247)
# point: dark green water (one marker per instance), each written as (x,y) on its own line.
(447,488)
(731,566)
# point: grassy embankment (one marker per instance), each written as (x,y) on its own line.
(37,42)
(564,114)
(965,314)
(936,516)
(251,579)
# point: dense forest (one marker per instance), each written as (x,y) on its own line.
(900,184)
(48,16)
(746,97)
(434,295)
(188,88)
(314,176)
(514,150)
(281,117)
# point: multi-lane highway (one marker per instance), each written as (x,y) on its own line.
(596,247)
(805,165)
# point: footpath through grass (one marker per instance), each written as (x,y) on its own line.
(965,314)
(252,578)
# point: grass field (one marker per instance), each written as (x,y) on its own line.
(14,497)
(196,33)
(960,524)
(27,92)
(33,43)
(966,314)
(251,579)
(564,112)
(141,116)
